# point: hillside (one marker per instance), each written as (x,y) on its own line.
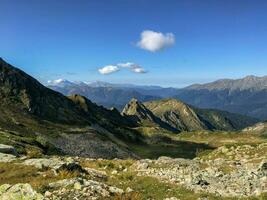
(38,119)
(182,117)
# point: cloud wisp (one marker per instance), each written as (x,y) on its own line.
(155,41)
(109,69)
(115,68)
(133,67)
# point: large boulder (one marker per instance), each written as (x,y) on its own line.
(18,192)
(41,163)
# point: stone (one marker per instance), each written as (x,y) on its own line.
(7,157)
(47,194)
(141,166)
(115,190)
(77,186)
(19,191)
(96,173)
(7,149)
(63,183)
(41,163)
(128,190)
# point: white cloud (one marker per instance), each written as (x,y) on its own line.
(155,41)
(139,70)
(133,67)
(129,65)
(108,69)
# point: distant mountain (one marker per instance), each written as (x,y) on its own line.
(176,115)
(247,96)
(252,83)
(107,96)
(122,86)
(61,83)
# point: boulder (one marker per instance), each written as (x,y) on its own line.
(7,157)
(7,149)
(19,191)
(71,167)
(64,183)
(41,163)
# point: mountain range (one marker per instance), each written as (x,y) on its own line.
(36,119)
(246,96)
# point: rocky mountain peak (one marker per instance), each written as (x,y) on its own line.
(133,107)
(19,90)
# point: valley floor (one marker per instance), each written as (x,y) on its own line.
(229,166)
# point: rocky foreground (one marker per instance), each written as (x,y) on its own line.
(228,172)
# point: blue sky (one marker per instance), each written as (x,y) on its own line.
(73,39)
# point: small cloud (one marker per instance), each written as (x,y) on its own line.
(133,67)
(115,68)
(155,41)
(139,70)
(128,64)
(108,69)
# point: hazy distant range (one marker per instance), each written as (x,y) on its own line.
(246,96)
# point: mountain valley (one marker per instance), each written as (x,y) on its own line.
(67,147)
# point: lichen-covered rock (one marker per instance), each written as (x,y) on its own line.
(82,189)
(41,163)
(7,157)
(19,192)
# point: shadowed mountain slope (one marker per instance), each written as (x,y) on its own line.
(29,111)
